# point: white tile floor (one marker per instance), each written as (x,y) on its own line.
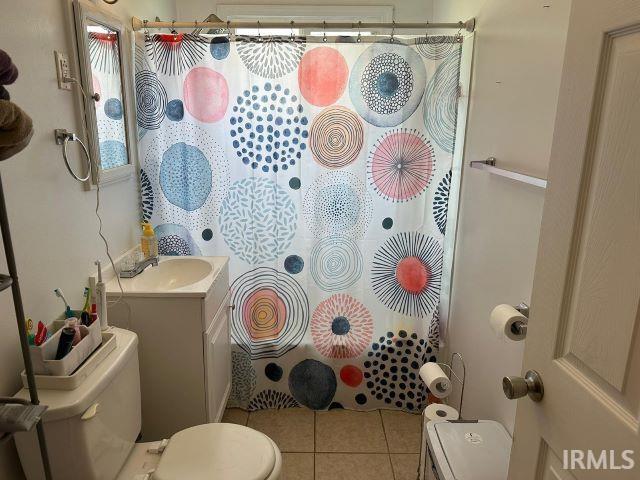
(340,444)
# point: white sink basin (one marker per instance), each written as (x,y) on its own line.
(171,275)
(174,276)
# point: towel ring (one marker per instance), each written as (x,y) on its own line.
(63,137)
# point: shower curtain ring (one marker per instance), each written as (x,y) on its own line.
(146,30)
(426,32)
(324,31)
(229,30)
(173,30)
(393,29)
(291,36)
(359,39)
(259,35)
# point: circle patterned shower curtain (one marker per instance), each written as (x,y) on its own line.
(323,171)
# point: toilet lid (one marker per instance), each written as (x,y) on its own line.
(217,451)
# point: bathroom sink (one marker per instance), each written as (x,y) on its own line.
(172,274)
(190,276)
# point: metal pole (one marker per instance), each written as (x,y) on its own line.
(139,24)
(22,328)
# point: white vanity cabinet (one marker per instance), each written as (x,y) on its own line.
(184,347)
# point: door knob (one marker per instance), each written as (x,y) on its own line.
(517,387)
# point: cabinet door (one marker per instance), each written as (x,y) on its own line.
(218,363)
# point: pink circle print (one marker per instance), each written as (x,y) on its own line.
(206,94)
(322,75)
(341,327)
(401,165)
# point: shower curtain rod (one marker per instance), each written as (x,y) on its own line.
(139,24)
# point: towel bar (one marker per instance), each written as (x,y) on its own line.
(489,165)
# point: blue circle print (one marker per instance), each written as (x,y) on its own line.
(185,176)
(113,154)
(268,129)
(258,219)
(273,372)
(340,325)
(219,48)
(175,240)
(294,183)
(293,264)
(313,384)
(207,234)
(113,109)
(388,84)
(175,110)
(341,208)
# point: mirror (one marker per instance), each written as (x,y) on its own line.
(104,78)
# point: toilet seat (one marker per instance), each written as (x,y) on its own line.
(219,451)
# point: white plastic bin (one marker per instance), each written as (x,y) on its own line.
(43,356)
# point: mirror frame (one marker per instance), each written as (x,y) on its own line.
(85,14)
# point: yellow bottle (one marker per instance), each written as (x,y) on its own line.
(148,241)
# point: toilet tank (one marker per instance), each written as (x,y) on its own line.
(90,430)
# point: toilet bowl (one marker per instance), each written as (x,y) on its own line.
(91,433)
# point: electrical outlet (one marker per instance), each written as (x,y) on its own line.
(62,70)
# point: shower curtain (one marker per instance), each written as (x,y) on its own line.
(322,169)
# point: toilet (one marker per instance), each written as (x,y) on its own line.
(91,433)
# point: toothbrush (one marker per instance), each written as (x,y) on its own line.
(68,313)
(85,315)
(101,299)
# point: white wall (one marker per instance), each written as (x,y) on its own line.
(404,10)
(519,48)
(53,225)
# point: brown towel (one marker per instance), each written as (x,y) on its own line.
(16,129)
(8,71)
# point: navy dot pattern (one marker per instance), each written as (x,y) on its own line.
(269,130)
(391,370)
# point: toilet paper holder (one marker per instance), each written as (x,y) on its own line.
(453,375)
(520,328)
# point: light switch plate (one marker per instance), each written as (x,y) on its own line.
(62,70)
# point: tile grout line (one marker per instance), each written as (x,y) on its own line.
(386,440)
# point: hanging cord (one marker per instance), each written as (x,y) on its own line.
(291,36)
(393,30)
(324,31)
(104,240)
(359,39)
(259,35)
(229,30)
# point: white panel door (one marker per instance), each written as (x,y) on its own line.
(583,332)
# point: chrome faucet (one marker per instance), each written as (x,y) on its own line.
(139,267)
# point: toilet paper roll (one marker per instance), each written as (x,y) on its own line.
(440,411)
(435,379)
(502,321)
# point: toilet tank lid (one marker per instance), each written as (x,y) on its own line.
(217,450)
(63,404)
(470,450)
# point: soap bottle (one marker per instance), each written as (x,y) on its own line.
(148,241)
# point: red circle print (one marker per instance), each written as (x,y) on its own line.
(412,274)
(351,375)
(206,94)
(322,75)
